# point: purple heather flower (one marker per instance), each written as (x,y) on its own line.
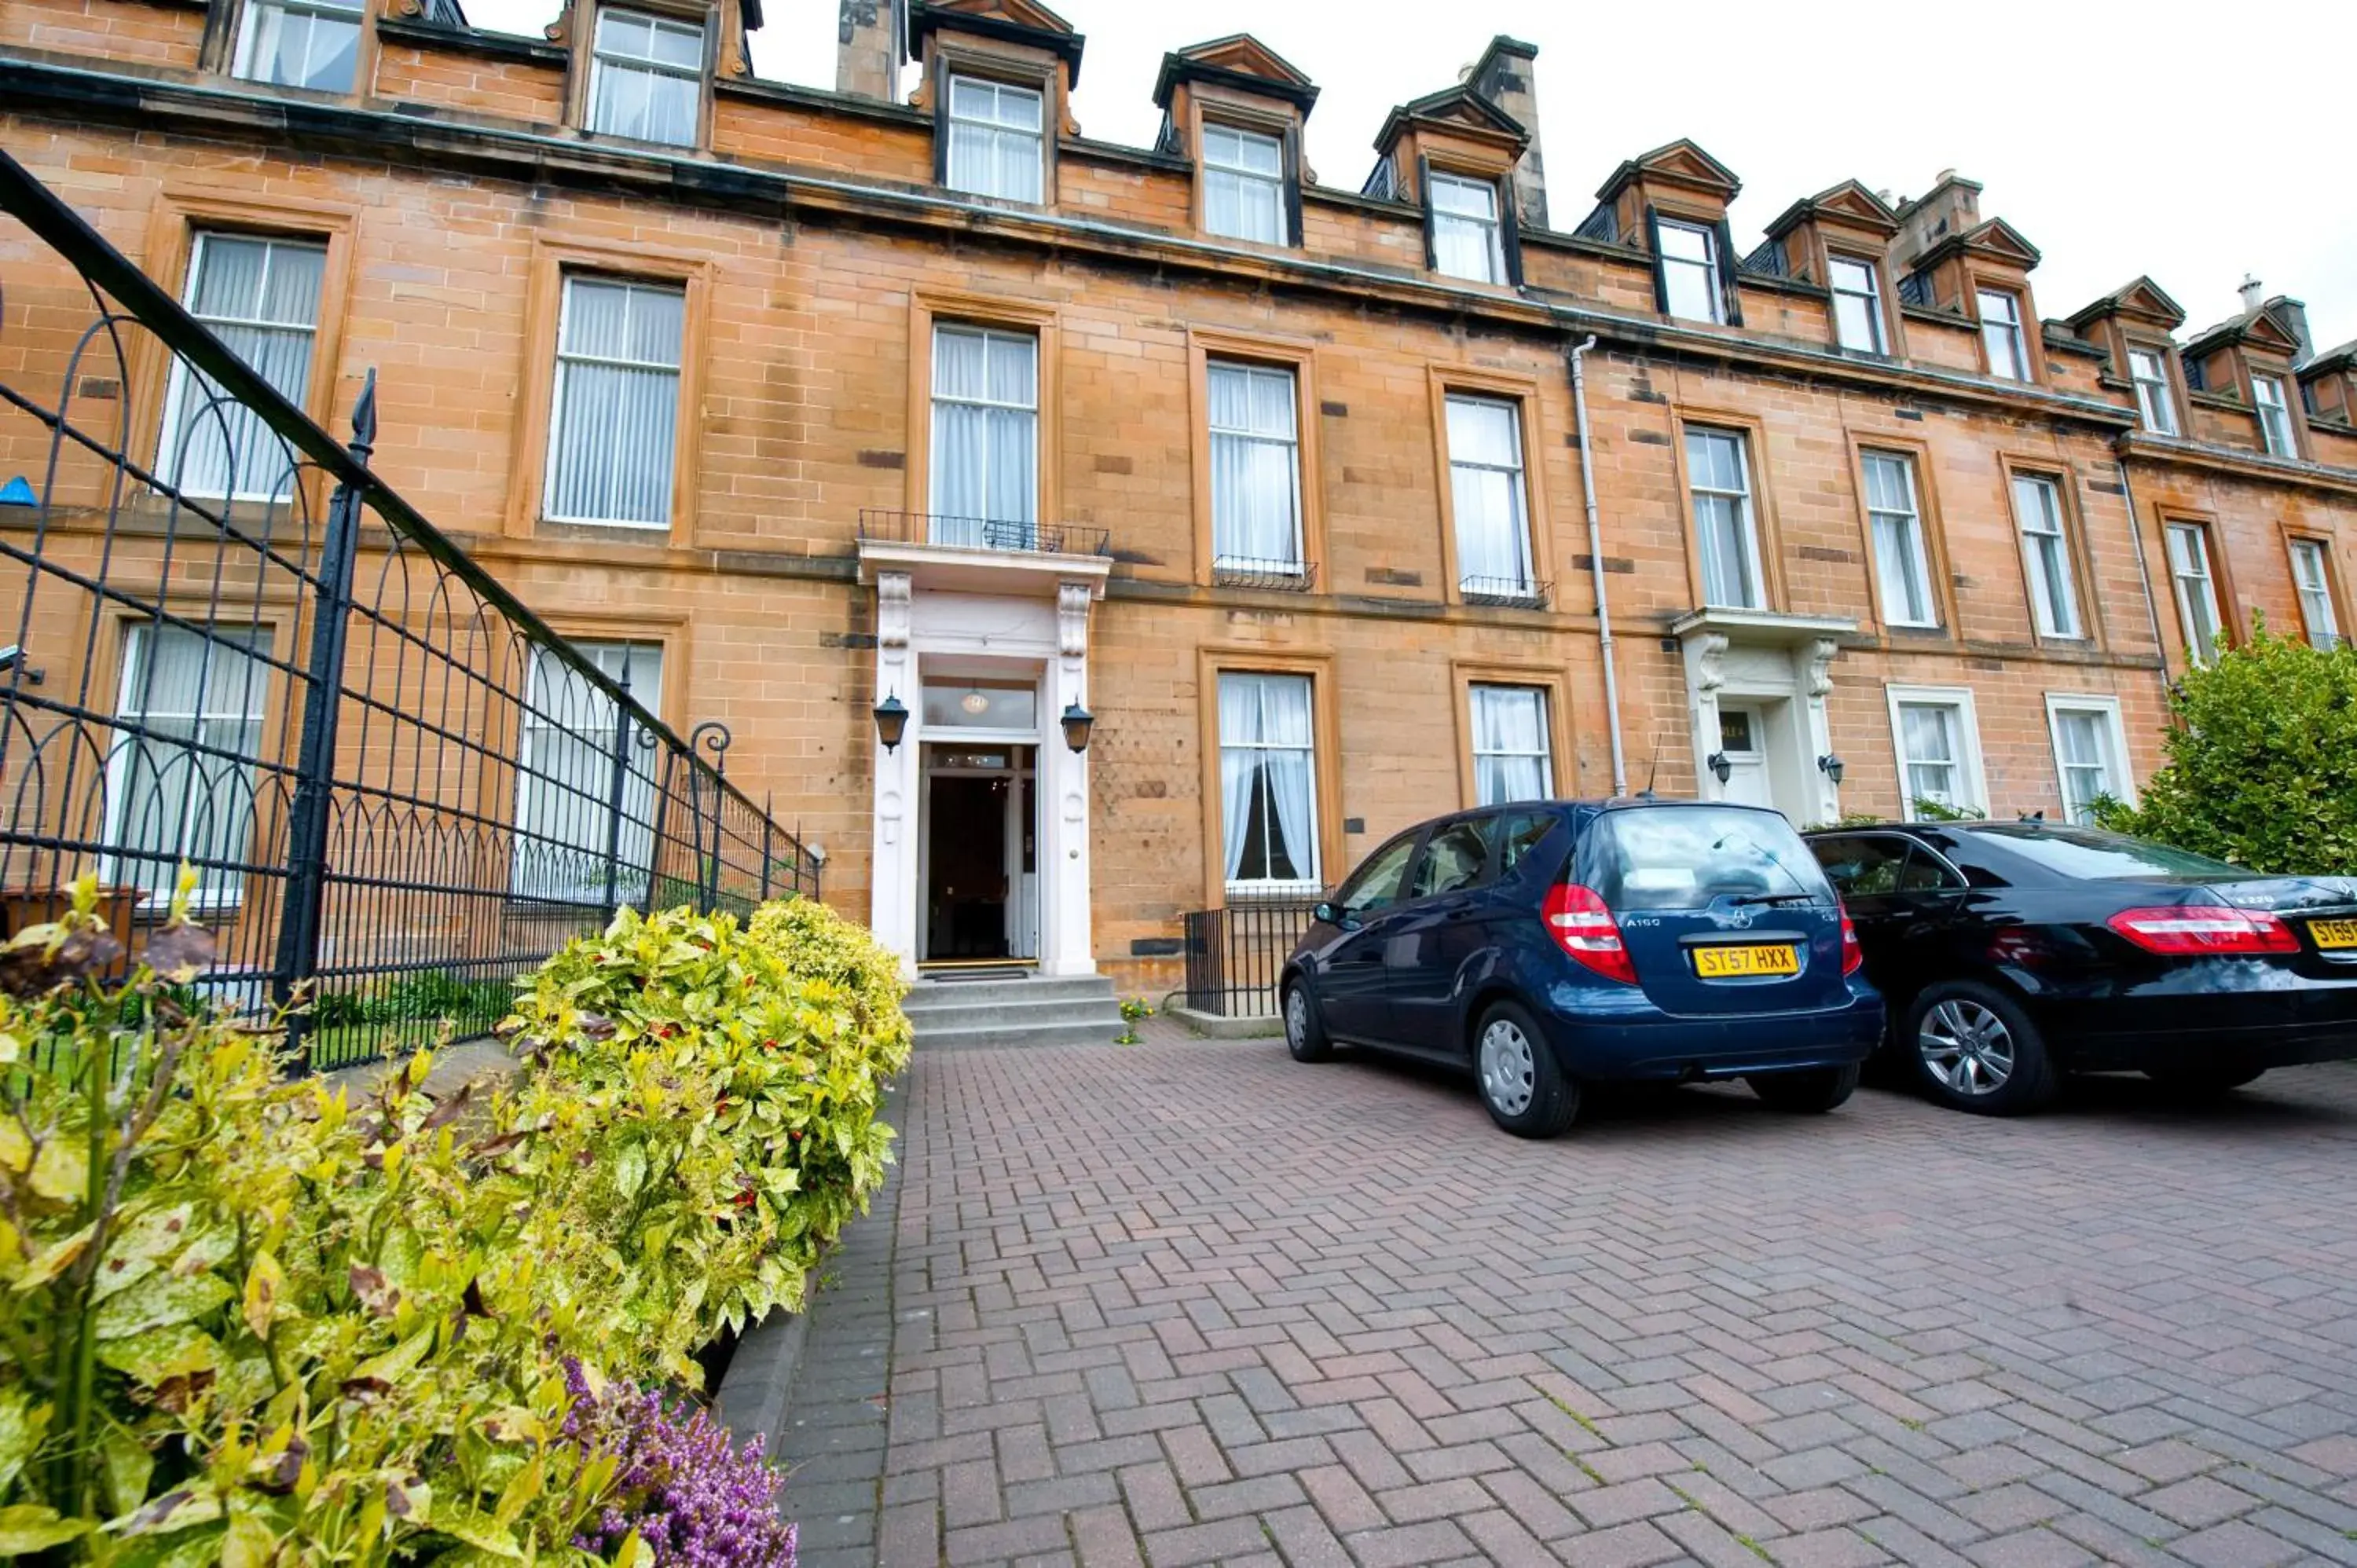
(694,1501)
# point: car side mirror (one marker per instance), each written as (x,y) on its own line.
(1325,913)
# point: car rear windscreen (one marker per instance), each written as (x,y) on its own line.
(1682,857)
(2091,852)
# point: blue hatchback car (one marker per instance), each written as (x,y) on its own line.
(1556,943)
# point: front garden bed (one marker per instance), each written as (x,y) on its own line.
(251,1321)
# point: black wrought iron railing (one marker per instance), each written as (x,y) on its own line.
(1235,955)
(236,648)
(1520,593)
(983,533)
(1278,576)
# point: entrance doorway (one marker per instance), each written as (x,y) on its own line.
(1743,740)
(980,875)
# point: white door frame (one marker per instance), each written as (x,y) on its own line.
(1051,635)
(1764,658)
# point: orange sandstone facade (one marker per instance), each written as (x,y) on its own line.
(1336,507)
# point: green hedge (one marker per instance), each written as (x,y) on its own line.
(2262,765)
(254,1321)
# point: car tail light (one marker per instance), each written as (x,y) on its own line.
(2197,930)
(1853,955)
(1584,928)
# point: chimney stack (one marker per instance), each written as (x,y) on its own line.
(2291,314)
(1503,76)
(1953,206)
(2251,290)
(869,43)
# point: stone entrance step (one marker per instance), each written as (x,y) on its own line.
(1034,1010)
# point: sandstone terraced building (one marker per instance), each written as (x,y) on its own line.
(1338,503)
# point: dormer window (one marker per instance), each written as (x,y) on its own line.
(646,78)
(2008,355)
(996,140)
(1858,306)
(1689,263)
(2155,404)
(300,43)
(2275,415)
(1464,240)
(1244,185)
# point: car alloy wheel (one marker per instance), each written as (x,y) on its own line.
(1296,1018)
(1509,1075)
(1966,1046)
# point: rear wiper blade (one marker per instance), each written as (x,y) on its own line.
(1776,897)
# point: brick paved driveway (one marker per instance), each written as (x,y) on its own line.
(1188,1301)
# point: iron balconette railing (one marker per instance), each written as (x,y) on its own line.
(396,786)
(888,527)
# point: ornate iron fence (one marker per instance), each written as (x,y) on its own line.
(1234,955)
(236,648)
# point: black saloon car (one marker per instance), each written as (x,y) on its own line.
(2014,953)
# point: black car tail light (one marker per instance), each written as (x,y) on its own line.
(2195,930)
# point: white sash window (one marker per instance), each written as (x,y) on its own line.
(614,417)
(1511,760)
(985,455)
(1256,470)
(260,297)
(1268,783)
(646,78)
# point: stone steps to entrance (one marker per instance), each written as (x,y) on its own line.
(1031,1011)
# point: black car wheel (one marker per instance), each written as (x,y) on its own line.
(1974,1050)
(1812,1093)
(1525,1089)
(1305,1032)
(2210,1078)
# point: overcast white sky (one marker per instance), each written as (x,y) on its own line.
(2191,140)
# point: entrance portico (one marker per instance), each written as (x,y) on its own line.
(1756,687)
(1012,629)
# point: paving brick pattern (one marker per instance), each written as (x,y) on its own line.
(1189,1303)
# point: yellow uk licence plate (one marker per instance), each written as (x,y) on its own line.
(2333,933)
(1731,963)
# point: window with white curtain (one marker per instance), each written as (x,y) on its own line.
(995,144)
(1256,469)
(2156,404)
(646,78)
(1902,562)
(180,773)
(1727,535)
(2311,574)
(1465,236)
(614,416)
(2087,753)
(1939,749)
(1857,305)
(2001,335)
(260,297)
(1268,783)
(1512,758)
(1689,263)
(2197,589)
(2275,416)
(2046,555)
(984,464)
(1487,494)
(299,43)
(1244,185)
(564,778)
